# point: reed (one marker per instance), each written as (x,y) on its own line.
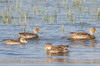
(17,5)
(4,15)
(20,17)
(42,14)
(55,15)
(45,17)
(67,5)
(77,4)
(50,19)
(5,18)
(35,11)
(86,10)
(25,20)
(98,13)
(74,18)
(63,29)
(71,17)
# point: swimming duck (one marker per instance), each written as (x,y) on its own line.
(83,35)
(56,49)
(30,35)
(14,41)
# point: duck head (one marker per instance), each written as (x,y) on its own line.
(92,30)
(36,30)
(48,46)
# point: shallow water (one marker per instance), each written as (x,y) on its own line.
(81,52)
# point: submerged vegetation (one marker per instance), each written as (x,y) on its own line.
(6,19)
(74,10)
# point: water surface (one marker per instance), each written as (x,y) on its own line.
(81,52)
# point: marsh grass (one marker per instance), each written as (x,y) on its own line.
(73,8)
(6,18)
(86,10)
(98,13)
(55,15)
(25,21)
(17,5)
(67,5)
(49,18)
(74,18)
(63,29)
(35,11)
(71,16)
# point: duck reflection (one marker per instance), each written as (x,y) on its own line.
(56,60)
(84,43)
(57,54)
(57,57)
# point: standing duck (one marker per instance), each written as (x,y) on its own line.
(83,35)
(56,49)
(31,35)
(14,41)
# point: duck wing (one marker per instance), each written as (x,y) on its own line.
(27,34)
(80,35)
(62,46)
(11,41)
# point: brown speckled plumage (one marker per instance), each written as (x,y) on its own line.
(83,35)
(30,35)
(56,49)
(14,41)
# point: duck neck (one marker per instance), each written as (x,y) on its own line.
(35,32)
(91,33)
(49,48)
(23,40)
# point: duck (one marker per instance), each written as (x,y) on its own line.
(83,35)
(14,41)
(31,35)
(56,49)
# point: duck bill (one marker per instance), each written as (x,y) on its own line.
(40,31)
(45,48)
(97,32)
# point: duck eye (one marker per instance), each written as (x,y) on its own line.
(65,48)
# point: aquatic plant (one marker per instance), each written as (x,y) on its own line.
(25,21)
(5,18)
(49,17)
(77,4)
(67,5)
(46,17)
(86,10)
(75,9)
(98,13)
(74,18)
(17,5)
(63,29)
(71,17)
(35,11)
(55,15)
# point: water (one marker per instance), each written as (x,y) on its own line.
(33,53)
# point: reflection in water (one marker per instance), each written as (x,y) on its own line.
(51,61)
(83,43)
(57,54)
(57,57)
(56,60)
